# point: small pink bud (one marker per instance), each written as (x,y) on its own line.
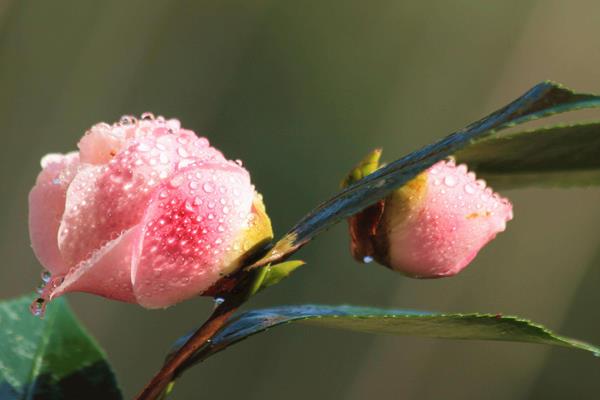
(433,226)
(146,212)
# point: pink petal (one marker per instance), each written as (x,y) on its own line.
(456,216)
(106,200)
(46,207)
(107,273)
(100,144)
(193,232)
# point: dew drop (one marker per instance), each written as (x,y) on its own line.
(469,189)
(208,188)
(450,181)
(173,125)
(143,147)
(367,259)
(219,301)
(127,120)
(193,185)
(45,275)
(38,307)
(177,181)
(182,152)
(147,116)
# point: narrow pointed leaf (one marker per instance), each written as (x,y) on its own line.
(51,358)
(394,322)
(566,155)
(544,99)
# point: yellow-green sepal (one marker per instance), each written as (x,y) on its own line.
(366,166)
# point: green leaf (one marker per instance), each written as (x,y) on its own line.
(276,273)
(544,99)
(394,322)
(565,155)
(51,358)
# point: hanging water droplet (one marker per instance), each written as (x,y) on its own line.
(219,301)
(38,307)
(367,259)
(46,275)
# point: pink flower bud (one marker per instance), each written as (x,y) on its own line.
(146,212)
(433,226)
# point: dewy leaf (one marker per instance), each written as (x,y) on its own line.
(51,358)
(542,100)
(394,322)
(566,155)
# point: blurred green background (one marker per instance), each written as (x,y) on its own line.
(300,90)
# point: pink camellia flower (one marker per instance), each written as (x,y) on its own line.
(433,226)
(146,212)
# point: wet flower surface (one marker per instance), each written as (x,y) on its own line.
(146,212)
(433,226)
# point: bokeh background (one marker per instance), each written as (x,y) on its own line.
(300,90)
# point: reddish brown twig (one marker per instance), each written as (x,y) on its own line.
(161,380)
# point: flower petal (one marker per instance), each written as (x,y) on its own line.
(193,233)
(441,232)
(106,200)
(107,273)
(46,207)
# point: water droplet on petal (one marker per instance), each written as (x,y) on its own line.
(182,152)
(177,181)
(450,181)
(208,188)
(144,147)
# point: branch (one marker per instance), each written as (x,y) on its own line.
(161,380)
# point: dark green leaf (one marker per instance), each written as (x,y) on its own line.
(567,155)
(542,100)
(394,322)
(50,358)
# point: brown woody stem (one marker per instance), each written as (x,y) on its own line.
(155,388)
